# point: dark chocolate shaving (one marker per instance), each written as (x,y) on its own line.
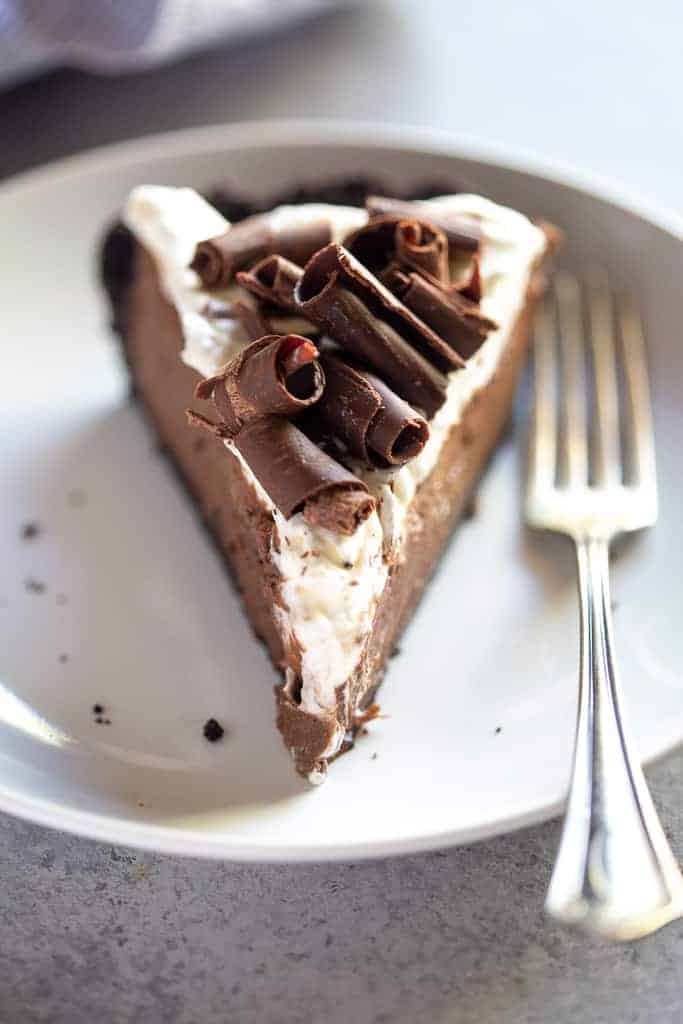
(273,280)
(340,294)
(456,319)
(411,242)
(294,358)
(317,428)
(372,421)
(422,247)
(274,375)
(298,476)
(217,260)
(374,244)
(398,433)
(460,232)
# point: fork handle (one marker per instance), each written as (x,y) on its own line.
(615,874)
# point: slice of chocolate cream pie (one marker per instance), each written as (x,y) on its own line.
(330,381)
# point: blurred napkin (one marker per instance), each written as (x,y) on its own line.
(115,35)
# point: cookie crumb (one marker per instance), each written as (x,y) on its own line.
(471,509)
(97,709)
(348,565)
(141,803)
(213,730)
(30,531)
(34,586)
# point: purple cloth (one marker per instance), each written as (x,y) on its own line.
(113,35)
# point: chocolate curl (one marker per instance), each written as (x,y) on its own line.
(372,421)
(273,280)
(460,232)
(374,244)
(298,476)
(318,430)
(337,292)
(217,260)
(457,320)
(423,247)
(397,433)
(274,375)
(412,242)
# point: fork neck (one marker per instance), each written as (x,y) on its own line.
(615,874)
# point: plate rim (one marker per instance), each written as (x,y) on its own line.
(293,133)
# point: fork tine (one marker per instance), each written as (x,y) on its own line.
(545,399)
(568,298)
(641,434)
(607,454)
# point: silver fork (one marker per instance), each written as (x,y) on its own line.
(614,874)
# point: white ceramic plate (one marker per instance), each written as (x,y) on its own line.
(480,702)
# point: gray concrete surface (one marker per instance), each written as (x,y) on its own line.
(91,933)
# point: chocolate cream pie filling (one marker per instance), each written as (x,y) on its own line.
(347,373)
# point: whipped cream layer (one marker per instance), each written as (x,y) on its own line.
(331,583)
